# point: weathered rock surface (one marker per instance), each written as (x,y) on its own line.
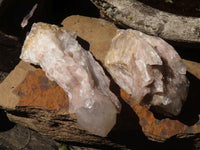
(76,71)
(20,137)
(32,100)
(156,129)
(149,69)
(136,15)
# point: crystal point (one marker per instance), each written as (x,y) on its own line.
(76,71)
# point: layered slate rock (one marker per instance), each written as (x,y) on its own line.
(149,69)
(77,72)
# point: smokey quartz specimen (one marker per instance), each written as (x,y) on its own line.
(77,72)
(148,69)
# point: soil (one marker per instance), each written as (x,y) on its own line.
(179,7)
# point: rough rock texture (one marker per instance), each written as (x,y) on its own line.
(32,100)
(138,16)
(20,137)
(149,69)
(76,71)
(153,127)
(38,90)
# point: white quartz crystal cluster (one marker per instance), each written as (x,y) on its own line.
(149,69)
(76,71)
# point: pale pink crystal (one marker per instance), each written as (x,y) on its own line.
(77,72)
(149,69)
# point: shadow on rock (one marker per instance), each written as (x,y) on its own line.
(127,130)
(191,109)
(5,122)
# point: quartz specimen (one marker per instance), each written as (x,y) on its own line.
(28,16)
(148,69)
(77,72)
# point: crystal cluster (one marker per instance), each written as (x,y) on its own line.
(76,71)
(148,69)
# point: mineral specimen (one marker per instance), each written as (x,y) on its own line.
(77,72)
(148,69)
(28,16)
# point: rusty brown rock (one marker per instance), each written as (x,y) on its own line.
(37,91)
(152,127)
(10,100)
(28,86)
